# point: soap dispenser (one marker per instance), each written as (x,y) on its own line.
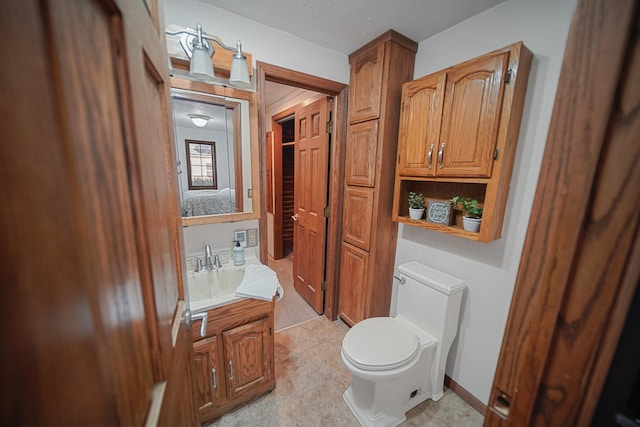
(238,254)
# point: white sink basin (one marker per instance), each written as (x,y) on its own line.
(210,289)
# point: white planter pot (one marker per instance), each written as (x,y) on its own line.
(471,224)
(416,213)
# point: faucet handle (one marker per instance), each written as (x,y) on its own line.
(198,263)
(216,262)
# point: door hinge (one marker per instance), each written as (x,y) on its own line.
(270,332)
(323,286)
(330,126)
(270,363)
(327,211)
(496,153)
(509,76)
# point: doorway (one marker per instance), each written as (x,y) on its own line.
(326,266)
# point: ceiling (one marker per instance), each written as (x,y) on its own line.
(182,108)
(346,25)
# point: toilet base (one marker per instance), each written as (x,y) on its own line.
(366,419)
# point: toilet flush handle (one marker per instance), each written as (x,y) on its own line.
(402,280)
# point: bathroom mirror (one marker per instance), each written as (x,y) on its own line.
(216,147)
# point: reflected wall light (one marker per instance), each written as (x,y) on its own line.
(199,120)
(199,48)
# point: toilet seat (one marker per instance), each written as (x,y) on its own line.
(380,343)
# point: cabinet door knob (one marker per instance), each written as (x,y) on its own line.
(440,155)
(213,378)
(231,369)
(430,157)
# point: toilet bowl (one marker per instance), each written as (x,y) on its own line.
(398,362)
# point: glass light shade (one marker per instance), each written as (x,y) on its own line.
(199,120)
(201,65)
(239,73)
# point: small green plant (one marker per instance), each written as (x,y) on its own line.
(469,206)
(416,201)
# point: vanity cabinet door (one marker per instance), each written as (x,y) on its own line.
(209,378)
(248,356)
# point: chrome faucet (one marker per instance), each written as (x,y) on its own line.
(208,264)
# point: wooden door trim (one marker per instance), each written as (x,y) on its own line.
(576,275)
(273,73)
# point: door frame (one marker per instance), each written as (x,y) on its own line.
(273,73)
(579,267)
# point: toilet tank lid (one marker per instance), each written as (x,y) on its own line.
(436,279)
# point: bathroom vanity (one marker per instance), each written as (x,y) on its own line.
(234,360)
(234,349)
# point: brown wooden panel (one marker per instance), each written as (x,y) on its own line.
(365,84)
(471,117)
(361,155)
(207,366)
(247,356)
(358,216)
(353,279)
(420,120)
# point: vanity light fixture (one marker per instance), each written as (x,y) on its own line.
(199,48)
(199,120)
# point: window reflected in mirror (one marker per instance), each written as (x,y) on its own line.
(201,165)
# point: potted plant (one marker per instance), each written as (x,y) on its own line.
(416,205)
(472,212)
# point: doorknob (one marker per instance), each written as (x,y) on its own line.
(294,217)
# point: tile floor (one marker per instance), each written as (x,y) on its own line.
(310,380)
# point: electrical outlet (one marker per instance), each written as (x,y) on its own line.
(252,237)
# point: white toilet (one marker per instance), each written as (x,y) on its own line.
(398,362)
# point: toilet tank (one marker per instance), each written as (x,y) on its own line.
(430,299)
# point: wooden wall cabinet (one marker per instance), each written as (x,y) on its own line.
(234,361)
(458,134)
(378,71)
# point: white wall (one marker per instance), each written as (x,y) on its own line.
(490,269)
(266,45)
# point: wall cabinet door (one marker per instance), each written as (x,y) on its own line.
(360,159)
(366,84)
(248,356)
(208,376)
(420,122)
(353,275)
(471,117)
(450,120)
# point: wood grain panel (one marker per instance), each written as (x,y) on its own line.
(358,216)
(471,116)
(361,154)
(420,120)
(366,84)
(353,277)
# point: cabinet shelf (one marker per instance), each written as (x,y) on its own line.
(449,229)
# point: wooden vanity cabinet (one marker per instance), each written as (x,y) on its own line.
(378,71)
(234,360)
(458,135)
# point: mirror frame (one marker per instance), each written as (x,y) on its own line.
(230,92)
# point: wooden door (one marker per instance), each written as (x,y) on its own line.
(311,177)
(471,117)
(91,211)
(208,375)
(248,355)
(420,122)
